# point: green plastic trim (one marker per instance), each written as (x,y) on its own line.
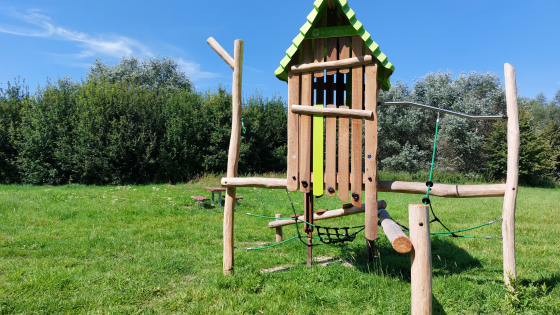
(385,69)
(318,152)
(336,31)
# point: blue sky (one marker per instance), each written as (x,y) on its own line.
(40,39)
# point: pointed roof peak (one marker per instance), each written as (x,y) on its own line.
(385,69)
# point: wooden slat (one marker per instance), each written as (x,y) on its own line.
(344,48)
(318,153)
(330,154)
(293,131)
(357,103)
(370,153)
(319,49)
(305,121)
(343,160)
(332,42)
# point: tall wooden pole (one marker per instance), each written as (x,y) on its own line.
(510,197)
(421,258)
(233,156)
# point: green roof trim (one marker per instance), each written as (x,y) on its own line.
(385,69)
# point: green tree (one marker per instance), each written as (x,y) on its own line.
(535,160)
(153,73)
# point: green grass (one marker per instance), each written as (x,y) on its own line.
(150,250)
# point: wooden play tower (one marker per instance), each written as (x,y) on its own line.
(335,72)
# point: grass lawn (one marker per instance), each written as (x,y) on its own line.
(151,250)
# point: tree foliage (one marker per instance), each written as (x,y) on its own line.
(153,73)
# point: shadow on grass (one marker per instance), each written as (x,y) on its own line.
(447,259)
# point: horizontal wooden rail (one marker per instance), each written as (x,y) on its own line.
(344,63)
(340,112)
(439,190)
(381,204)
(261,182)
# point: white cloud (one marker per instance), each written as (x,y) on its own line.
(193,70)
(116,46)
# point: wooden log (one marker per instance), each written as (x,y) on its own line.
(443,190)
(344,63)
(278,230)
(305,122)
(357,104)
(329,214)
(400,242)
(510,196)
(261,182)
(233,157)
(293,131)
(371,157)
(343,157)
(421,260)
(330,111)
(439,190)
(221,52)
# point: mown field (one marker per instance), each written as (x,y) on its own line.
(150,250)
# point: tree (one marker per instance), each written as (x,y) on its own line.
(535,153)
(154,73)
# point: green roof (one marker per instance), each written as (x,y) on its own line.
(385,69)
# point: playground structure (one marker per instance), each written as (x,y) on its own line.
(335,72)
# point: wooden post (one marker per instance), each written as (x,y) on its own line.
(510,196)
(278,229)
(421,260)
(308,208)
(371,160)
(400,242)
(233,156)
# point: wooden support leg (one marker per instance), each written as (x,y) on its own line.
(510,196)
(308,208)
(278,230)
(228,230)
(421,260)
(370,248)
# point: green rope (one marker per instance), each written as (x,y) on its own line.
(433,159)
(464,230)
(243,129)
(269,246)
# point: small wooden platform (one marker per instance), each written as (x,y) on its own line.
(217,190)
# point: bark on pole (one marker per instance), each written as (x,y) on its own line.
(510,197)
(233,156)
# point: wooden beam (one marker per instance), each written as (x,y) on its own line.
(328,215)
(439,190)
(340,112)
(349,62)
(421,260)
(510,197)
(233,157)
(221,52)
(370,154)
(400,242)
(260,182)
